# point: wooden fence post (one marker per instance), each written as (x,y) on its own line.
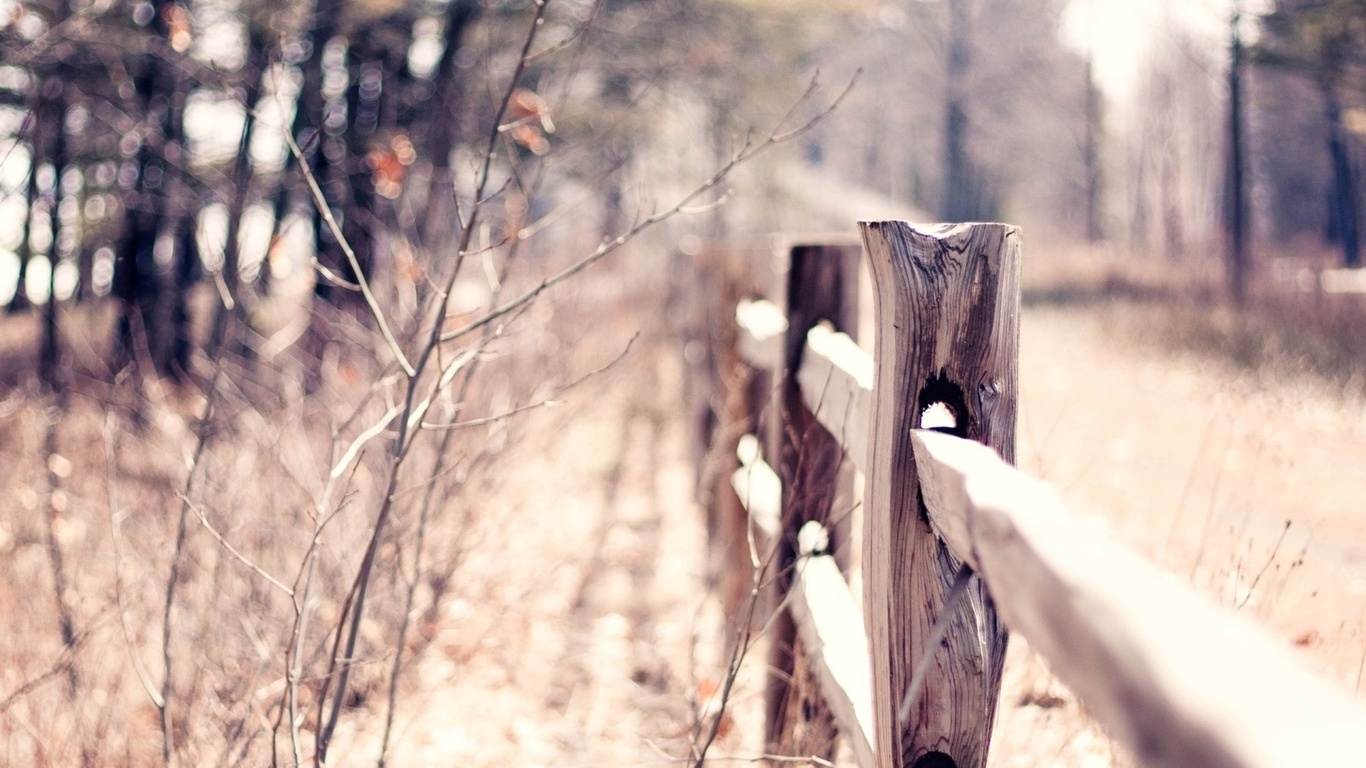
(719,394)
(820,284)
(947,304)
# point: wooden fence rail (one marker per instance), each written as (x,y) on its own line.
(1177,680)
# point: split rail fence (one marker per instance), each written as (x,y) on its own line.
(957,545)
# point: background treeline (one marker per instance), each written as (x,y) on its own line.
(162,150)
(146,139)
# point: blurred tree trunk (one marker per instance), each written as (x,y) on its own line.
(957,201)
(53,110)
(306,126)
(157,205)
(175,335)
(318,119)
(1091,152)
(21,301)
(355,183)
(327,113)
(254,73)
(135,283)
(1169,192)
(619,143)
(1344,226)
(1323,42)
(1237,205)
(616,154)
(441,127)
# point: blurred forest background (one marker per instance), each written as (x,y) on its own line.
(145,150)
(273,277)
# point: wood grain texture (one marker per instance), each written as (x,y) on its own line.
(1179,681)
(947,307)
(820,285)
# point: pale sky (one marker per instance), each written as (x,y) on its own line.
(1120,32)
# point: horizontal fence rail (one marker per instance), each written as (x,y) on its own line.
(835,377)
(826,612)
(1176,679)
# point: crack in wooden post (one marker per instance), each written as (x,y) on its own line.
(947,304)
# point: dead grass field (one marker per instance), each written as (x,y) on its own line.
(564,616)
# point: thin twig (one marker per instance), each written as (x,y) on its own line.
(746,153)
(362,284)
(1270,558)
(60,666)
(546,403)
(227,545)
(173,578)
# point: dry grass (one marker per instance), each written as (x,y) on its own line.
(213,496)
(135,484)
(561,614)
(1285,329)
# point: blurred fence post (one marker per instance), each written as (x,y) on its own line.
(721,399)
(819,284)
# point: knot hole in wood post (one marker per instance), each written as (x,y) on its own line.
(934,760)
(942,407)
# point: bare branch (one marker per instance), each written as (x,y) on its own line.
(747,152)
(248,562)
(361,282)
(546,403)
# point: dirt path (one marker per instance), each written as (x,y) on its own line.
(576,635)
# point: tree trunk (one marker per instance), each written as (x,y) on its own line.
(1091,153)
(138,279)
(957,203)
(255,72)
(21,301)
(54,111)
(442,128)
(175,334)
(1237,206)
(1342,212)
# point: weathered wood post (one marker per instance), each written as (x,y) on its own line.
(719,400)
(820,284)
(948,307)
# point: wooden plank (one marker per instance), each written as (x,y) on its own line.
(1179,681)
(1343,280)
(947,306)
(831,630)
(762,328)
(836,379)
(758,486)
(820,285)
